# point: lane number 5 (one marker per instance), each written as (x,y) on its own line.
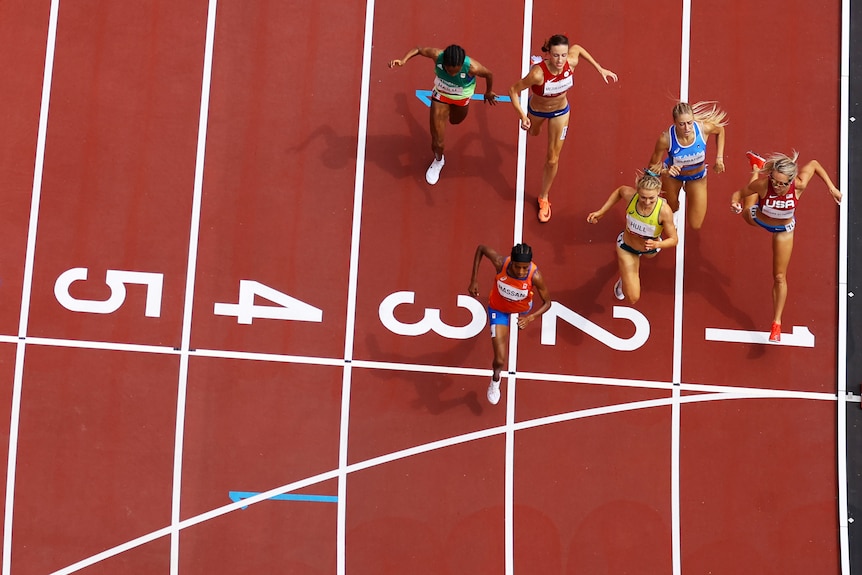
(116,280)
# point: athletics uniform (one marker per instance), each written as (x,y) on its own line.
(510,295)
(456,90)
(688,157)
(552,86)
(780,207)
(647,227)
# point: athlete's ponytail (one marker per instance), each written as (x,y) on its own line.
(648,180)
(707,111)
(783,164)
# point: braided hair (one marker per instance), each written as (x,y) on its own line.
(453,56)
(522,253)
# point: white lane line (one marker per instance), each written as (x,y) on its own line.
(843,177)
(674,474)
(27,288)
(103,345)
(421,368)
(273,357)
(509,477)
(685,57)
(353,276)
(521,173)
(511,379)
(188,304)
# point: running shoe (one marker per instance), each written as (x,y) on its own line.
(755,160)
(618,290)
(775,333)
(535,60)
(432,174)
(494,392)
(544,210)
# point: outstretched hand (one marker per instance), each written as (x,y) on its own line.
(608,74)
(394,63)
(491,98)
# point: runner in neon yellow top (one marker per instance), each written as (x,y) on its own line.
(454,85)
(647,218)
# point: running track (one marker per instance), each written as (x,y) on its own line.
(192,146)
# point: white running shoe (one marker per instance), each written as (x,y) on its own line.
(618,290)
(535,59)
(494,392)
(433,172)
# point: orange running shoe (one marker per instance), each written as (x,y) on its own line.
(775,333)
(755,160)
(544,210)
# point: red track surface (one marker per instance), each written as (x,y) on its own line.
(96,439)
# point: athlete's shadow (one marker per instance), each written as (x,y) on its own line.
(430,387)
(485,167)
(394,153)
(590,298)
(712,282)
(408,155)
(488,166)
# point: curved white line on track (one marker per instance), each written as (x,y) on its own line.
(432,446)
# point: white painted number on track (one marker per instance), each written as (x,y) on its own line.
(800,336)
(116,280)
(559,311)
(431,320)
(287,307)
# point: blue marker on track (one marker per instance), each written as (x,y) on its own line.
(240,495)
(425,97)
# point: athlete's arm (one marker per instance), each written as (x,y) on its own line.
(533,78)
(426,51)
(539,284)
(576,51)
(493,256)
(666,220)
(757,186)
(709,129)
(477,69)
(807,172)
(662,145)
(616,195)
